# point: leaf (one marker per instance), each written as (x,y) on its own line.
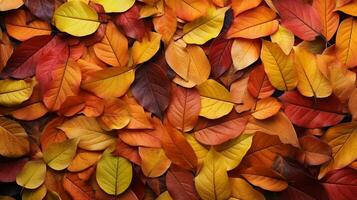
(83,160)
(82,22)
(18,28)
(184,108)
(38,193)
(314,151)
(146,49)
(188,10)
(220,56)
(14,141)
(311,81)
(352,105)
(189,62)
(113,49)
(164,196)
(255,23)
(266,108)
(342,139)
(154,161)
(59,155)
(77,188)
(91,136)
(50,134)
(309,113)
(284,38)
(204,28)
(259,85)
(279,67)
(341,184)
(43,9)
(245,52)
(112,6)
(32,175)
(216,100)
(152,88)
(240,6)
(212,180)
(166,24)
(9,5)
(348,7)
(139,119)
(10,169)
(346,46)
(242,190)
(113,174)
(6,50)
(115,115)
(104,83)
(180,184)
(329,18)
(214,132)
(14,92)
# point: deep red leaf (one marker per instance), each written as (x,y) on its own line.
(9,169)
(220,56)
(341,184)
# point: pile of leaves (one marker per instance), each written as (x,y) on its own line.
(178,99)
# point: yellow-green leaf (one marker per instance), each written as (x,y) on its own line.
(111,6)
(36,194)
(113,173)
(205,28)
(13,139)
(76,18)
(216,100)
(92,136)
(146,49)
(212,181)
(32,174)
(14,92)
(58,156)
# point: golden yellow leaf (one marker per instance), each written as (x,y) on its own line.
(13,139)
(197,147)
(110,82)
(312,83)
(113,173)
(115,115)
(154,161)
(216,101)
(111,6)
(349,8)
(10,4)
(212,180)
(243,190)
(146,49)
(152,10)
(83,160)
(279,67)
(113,49)
(204,28)
(284,38)
(76,18)
(164,196)
(346,44)
(343,140)
(245,52)
(266,108)
(35,194)
(92,136)
(32,174)
(14,92)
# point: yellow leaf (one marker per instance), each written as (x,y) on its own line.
(14,92)
(212,180)
(215,100)
(32,174)
(146,49)
(154,161)
(113,49)
(36,194)
(152,10)
(190,63)
(164,196)
(266,108)
(312,83)
(92,136)
(245,52)
(52,195)
(76,18)
(13,139)
(243,190)
(10,4)
(110,82)
(58,156)
(111,6)
(83,160)
(284,38)
(115,115)
(234,150)
(199,149)
(346,44)
(113,173)
(343,140)
(279,67)
(204,28)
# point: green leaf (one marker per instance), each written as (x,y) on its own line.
(59,155)
(32,175)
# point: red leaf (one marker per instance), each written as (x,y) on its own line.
(259,85)
(77,188)
(220,56)
(341,184)
(9,169)
(309,113)
(180,185)
(314,151)
(128,152)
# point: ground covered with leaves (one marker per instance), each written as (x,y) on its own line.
(178,99)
